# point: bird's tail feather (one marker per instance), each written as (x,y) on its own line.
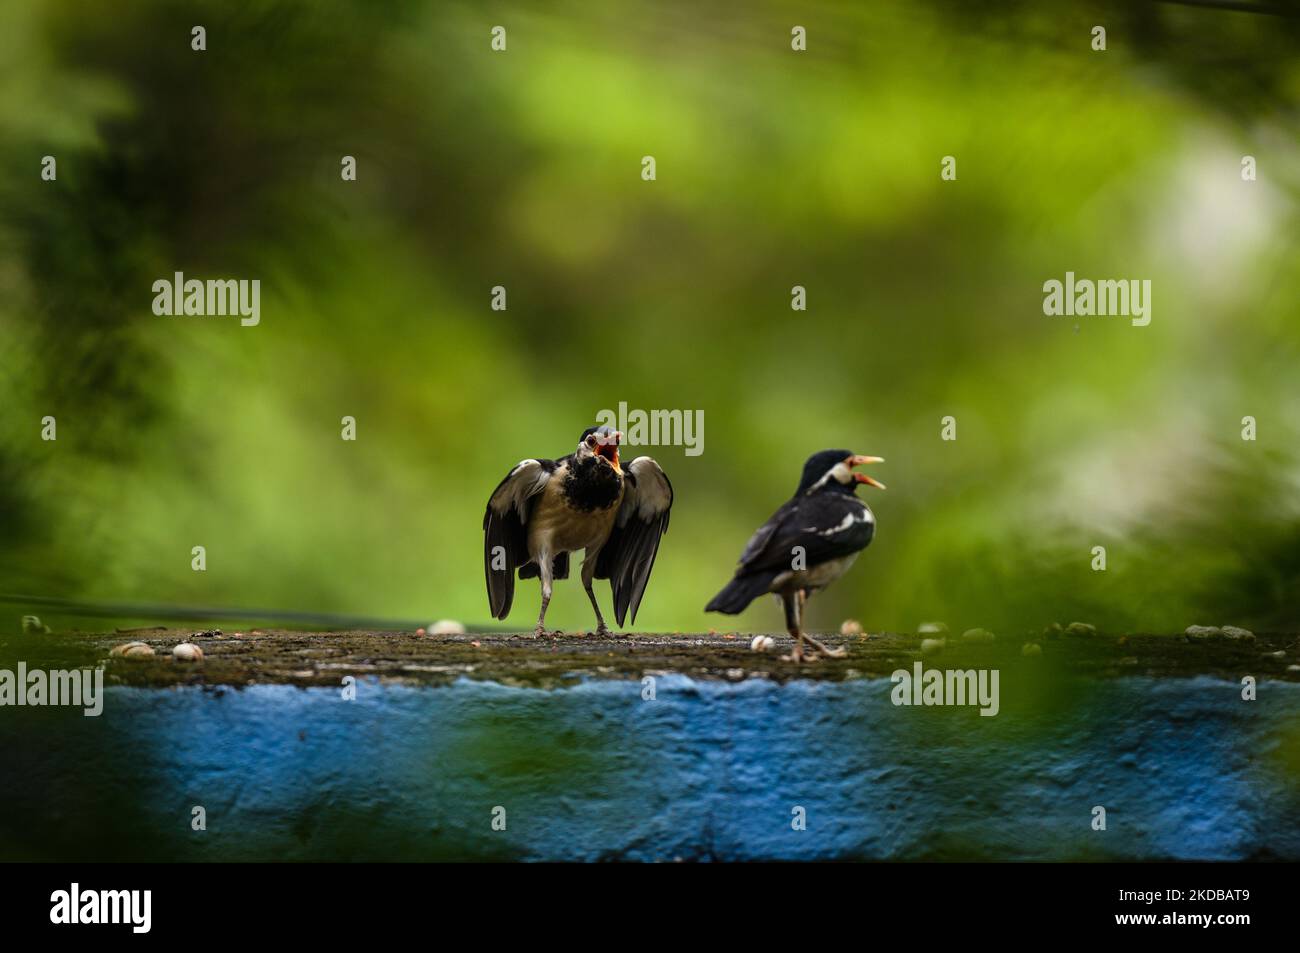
(740,592)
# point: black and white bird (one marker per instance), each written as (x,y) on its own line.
(807,544)
(546,509)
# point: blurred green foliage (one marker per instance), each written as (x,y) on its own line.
(775,168)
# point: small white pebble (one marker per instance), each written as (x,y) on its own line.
(1080,629)
(977,635)
(1031,648)
(762,643)
(931,646)
(932,628)
(446,627)
(1293,668)
(187,652)
(1236,632)
(851,628)
(1199,633)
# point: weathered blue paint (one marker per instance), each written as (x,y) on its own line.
(708,770)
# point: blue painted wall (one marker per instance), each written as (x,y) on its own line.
(1184,768)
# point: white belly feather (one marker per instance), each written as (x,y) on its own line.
(818,577)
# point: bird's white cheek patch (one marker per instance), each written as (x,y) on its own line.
(840,473)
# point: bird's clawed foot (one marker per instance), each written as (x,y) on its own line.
(602,631)
(797,655)
(829,653)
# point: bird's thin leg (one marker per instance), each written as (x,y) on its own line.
(829,653)
(588,574)
(791,604)
(544,573)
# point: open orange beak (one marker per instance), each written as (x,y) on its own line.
(609,449)
(856,461)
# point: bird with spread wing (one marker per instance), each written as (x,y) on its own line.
(546,509)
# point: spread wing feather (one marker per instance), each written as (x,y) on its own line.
(628,556)
(505,530)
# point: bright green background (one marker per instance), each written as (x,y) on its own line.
(775,168)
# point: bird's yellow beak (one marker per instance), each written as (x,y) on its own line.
(858,460)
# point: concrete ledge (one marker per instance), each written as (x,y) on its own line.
(244,658)
(714,767)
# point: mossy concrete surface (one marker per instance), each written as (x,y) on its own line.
(237,657)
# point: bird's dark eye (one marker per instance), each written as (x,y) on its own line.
(591,441)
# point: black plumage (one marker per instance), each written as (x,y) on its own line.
(545,509)
(591,484)
(628,556)
(505,533)
(806,544)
